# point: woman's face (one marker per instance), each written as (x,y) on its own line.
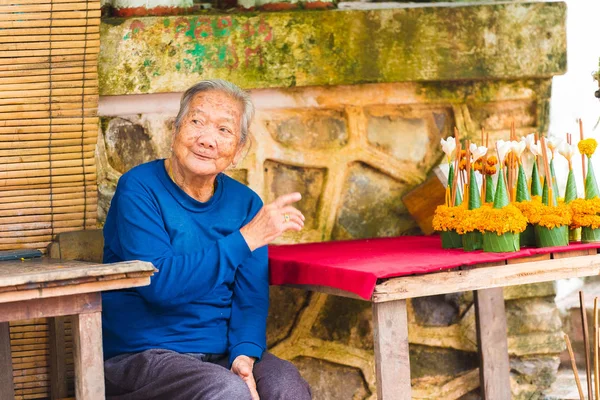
(209,138)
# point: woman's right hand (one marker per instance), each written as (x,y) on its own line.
(272,220)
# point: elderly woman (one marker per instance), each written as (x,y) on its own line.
(198,330)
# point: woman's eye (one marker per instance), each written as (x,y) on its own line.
(225,130)
(197,122)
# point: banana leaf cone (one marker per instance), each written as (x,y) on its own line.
(536,186)
(590,235)
(545,196)
(473,240)
(489,189)
(494,243)
(528,236)
(553,176)
(501,196)
(546,237)
(591,186)
(451,240)
(570,188)
(522,189)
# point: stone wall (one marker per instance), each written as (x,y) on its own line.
(353,151)
(351,106)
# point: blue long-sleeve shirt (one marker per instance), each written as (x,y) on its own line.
(211,293)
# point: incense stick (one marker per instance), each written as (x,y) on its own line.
(547,171)
(596,367)
(586,343)
(574,367)
(582,156)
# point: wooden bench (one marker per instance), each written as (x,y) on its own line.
(62,294)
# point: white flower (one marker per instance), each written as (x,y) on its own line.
(477,152)
(534,148)
(567,150)
(554,143)
(503,149)
(518,147)
(448,146)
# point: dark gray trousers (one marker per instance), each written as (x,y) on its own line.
(166,375)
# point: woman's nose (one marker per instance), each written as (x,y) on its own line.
(207,138)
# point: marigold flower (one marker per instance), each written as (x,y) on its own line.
(587,146)
(446,218)
(490,170)
(492,161)
(462,165)
(502,220)
(585,213)
(477,165)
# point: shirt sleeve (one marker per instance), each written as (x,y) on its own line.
(250,305)
(142,236)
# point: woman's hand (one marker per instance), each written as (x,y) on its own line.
(242,367)
(272,220)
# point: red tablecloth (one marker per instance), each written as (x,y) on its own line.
(355,265)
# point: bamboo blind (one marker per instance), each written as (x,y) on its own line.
(48,119)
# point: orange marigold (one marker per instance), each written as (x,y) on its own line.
(446,218)
(492,161)
(585,213)
(503,220)
(531,209)
(553,216)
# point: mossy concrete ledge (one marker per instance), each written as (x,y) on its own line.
(306,48)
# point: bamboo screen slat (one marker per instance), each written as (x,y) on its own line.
(48,119)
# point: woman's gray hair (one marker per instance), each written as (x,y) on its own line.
(222,86)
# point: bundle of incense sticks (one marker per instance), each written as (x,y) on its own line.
(591,356)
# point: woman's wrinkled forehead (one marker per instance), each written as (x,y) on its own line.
(216,101)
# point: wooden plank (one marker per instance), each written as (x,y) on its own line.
(486,277)
(494,370)
(48,270)
(87,353)
(392,361)
(50,307)
(328,290)
(58,355)
(97,286)
(6,368)
(422,201)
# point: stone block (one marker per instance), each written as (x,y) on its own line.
(127,144)
(410,134)
(281,179)
(240,175)
(285,304)
(346,321)
(309,130)
(332,381)
(538,370)
(440,310)
(304,48)
(543,289)
(532,315)
(372,206)
(500,115)
(433,361)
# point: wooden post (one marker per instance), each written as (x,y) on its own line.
(58,364)
(87,354)
(494,370)
(392,362)
(7,389)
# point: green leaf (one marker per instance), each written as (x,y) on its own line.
(458,200)
(591,187)
(522,189)
(501,197)
(489,189)
(536,186)
(474,195)
(570,188)
(553,174)
(545,195)
(451,177)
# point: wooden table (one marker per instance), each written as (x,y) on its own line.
(42,287)
(389,297)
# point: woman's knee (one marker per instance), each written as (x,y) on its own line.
(280,380)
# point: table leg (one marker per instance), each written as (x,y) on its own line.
(494,370)
(58,356)
(7,390)
(87,354)
(392,362)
